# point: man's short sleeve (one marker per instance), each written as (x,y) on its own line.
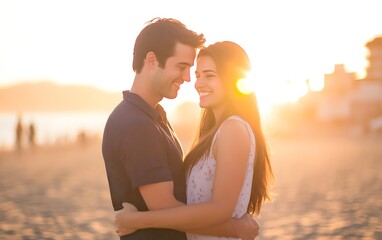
(145,155)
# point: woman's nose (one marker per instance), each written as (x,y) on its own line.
(199,83)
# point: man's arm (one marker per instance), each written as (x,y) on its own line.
(159,195)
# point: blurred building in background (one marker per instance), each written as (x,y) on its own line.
(336,97)
(346,100)
(367,100)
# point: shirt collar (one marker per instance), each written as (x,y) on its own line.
(157,114)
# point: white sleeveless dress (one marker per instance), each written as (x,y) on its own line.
(201,178)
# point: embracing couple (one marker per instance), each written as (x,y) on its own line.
(214,190)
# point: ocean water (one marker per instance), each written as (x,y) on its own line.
(51,127)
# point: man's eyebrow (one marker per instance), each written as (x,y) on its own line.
(184,63)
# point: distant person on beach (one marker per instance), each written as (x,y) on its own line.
(19,133)
(143,157)
(228,167)
(31,135)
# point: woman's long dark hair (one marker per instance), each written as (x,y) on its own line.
(232,64)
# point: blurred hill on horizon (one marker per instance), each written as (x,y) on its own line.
(46,96)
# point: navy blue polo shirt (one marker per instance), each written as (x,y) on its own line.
(139,147)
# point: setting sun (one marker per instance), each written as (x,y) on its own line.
(244,86)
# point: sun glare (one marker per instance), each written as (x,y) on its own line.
(271,93)
(244,86)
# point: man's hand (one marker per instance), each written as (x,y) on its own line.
(121,220)
(248,227)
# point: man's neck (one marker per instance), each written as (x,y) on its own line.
(141,89)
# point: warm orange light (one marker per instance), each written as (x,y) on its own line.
(244,86)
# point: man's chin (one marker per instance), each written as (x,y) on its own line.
(172,96)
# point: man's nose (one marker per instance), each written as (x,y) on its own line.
(187,75)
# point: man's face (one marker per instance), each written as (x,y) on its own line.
(167,80)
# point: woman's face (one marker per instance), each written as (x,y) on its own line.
(209,84)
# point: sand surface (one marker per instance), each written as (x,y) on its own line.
(326,188)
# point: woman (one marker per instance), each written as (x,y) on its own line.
(228,167)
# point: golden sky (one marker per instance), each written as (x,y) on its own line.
(91,41)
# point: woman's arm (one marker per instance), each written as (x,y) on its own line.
(244,228)
(232,150)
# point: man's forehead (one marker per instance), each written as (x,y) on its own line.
(184,60)
(183,49)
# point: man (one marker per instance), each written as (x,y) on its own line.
(142,154)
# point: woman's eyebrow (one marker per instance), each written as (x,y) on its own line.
(208,71)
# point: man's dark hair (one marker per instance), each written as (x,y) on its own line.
(160,36)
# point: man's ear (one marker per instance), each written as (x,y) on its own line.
(151,59)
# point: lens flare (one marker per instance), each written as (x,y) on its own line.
(245,86)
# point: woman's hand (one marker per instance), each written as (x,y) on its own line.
(121,221)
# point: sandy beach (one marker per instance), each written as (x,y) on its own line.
(55,193)
(327,187)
